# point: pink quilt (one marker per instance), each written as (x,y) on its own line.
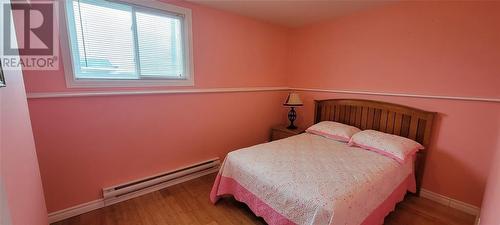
(309,179)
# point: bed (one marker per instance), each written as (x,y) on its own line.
(309,179)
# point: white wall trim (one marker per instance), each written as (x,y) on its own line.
(453,203)
(461,98)
(150,92)
(35,95)
(76,210)
(100,203)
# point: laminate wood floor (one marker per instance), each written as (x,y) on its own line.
(188,204)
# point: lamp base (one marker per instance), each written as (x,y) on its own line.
(292,115)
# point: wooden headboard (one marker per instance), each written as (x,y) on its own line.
(387,117)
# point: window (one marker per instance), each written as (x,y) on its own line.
(123,44)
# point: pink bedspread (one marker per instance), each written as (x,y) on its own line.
(308,179)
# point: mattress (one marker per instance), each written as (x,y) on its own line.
(309,179)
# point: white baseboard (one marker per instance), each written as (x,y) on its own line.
(462,206)
(100,203)
(76,210)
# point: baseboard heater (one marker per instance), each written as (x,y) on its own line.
(156,182)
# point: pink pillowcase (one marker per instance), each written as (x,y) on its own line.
(393,146)
(333,130)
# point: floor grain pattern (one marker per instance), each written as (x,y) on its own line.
(188,204)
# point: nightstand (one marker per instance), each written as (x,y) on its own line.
(280,132)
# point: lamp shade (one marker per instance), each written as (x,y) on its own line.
(293,99)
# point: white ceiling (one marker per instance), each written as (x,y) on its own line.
(291,13)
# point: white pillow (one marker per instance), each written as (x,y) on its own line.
(333,130)
(393,146)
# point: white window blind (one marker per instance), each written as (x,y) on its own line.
(118,41)
(160,49)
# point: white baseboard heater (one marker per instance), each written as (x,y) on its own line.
(156,182)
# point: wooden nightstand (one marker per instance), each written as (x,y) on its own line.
(280,131)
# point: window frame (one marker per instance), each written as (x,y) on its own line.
(153,7)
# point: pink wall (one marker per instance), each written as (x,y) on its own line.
(87,143)
(19,172)
(432,48)
(491,202)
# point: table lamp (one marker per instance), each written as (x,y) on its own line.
(292,101)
